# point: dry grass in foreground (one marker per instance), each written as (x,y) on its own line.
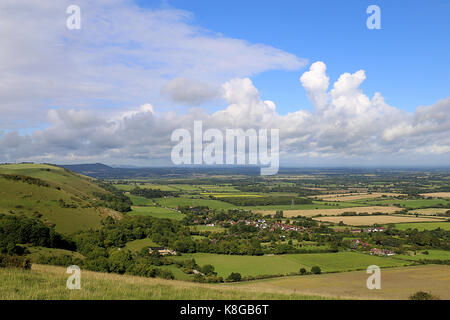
(396,284)
(49,283)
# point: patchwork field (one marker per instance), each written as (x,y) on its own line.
(332,212)
(371,220)
(409,204)
(437,194)
(284,264)
(396,284)
(429,211)
(314,205)
(175,202)
(355,196)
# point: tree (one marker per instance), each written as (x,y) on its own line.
(303,271)
(207,270)
(234,277)
(316,270)
(120,261)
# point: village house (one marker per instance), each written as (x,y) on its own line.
(162,251)
(376,229)
(381,252)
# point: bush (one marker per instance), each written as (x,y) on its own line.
(303,271)
(7,261)
(421,295)
(234,277)
(316,270)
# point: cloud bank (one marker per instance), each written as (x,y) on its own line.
(345,124)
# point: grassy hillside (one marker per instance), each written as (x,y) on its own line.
(49,282)
(53,194)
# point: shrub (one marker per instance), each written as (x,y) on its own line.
(7,261)
(234,277)
(421,295)
(316,270)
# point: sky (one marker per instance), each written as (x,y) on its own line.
(114,90)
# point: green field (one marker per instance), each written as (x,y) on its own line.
(284,264)
(314,205)
(36,252)
(156,212)
(140,201)
(175,202)
(423,226)
(207,228)
(137,245)
(409,204)
(420,255)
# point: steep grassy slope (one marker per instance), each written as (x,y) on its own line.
(55,195)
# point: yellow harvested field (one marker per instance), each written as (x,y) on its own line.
(429,211)
(332,212)
(370,220)
(437,194)
(354,196)
(396,284)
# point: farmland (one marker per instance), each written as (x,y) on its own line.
(284,264)
(396,284)
(333,212)
(371,220)
(357,196)
(424,226)
(156,212)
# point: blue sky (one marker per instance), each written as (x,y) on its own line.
(408,61)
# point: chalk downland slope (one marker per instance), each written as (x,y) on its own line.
(55,195)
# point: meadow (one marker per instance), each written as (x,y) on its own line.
(284,264)
(425,255)
(183,201)
(423,226)
(156,212)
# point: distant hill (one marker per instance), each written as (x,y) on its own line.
(53,194)
(88,168)
(101,171)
